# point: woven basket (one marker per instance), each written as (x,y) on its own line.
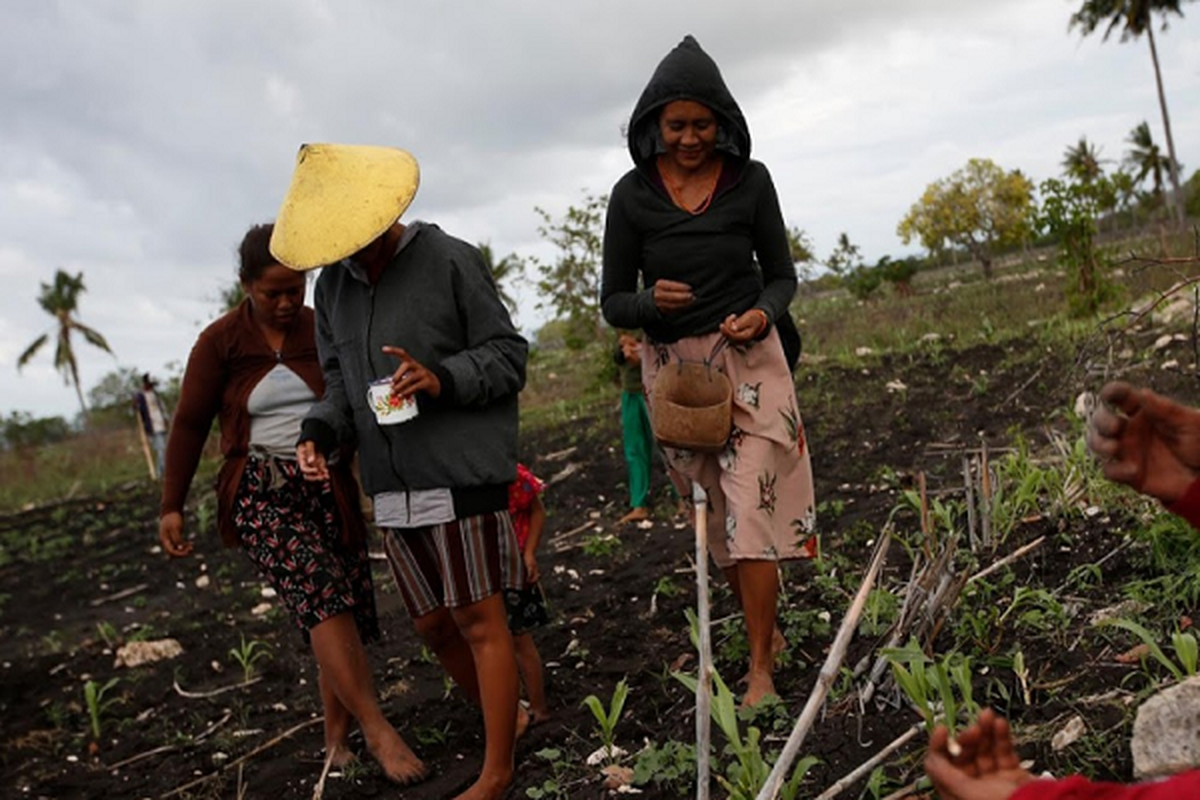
(691,407)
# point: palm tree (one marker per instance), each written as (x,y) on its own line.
(1145,159)
(61,300)
(502,270)
(1082,161)
(1135,17)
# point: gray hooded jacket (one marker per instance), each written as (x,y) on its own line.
(437,300)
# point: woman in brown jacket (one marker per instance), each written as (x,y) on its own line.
(255,370)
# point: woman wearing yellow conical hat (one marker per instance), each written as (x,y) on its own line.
(422,363)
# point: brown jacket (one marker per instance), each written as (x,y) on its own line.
(228,360)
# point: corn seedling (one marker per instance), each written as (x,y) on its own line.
(606,720)
(938,690)
(745,775)
(108,632)
(248,654)
(1184,644)
(97,704)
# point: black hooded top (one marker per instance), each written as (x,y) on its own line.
(646,235)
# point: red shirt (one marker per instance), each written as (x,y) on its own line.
(521,494)
(1184,786)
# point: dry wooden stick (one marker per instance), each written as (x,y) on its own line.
(319,789)
(704,673)
(985,495)
(239,761)
(1008,559)
(870,764)
(202,695)
(826,678)
(99,601)
(166,748)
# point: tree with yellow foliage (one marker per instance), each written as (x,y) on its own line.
(980,208)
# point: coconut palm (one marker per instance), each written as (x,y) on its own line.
(503,270)
(1082,161)
(1135,17)
(61,300)
(1145,159)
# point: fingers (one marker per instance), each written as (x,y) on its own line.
(1122,395)
(170,535)
(1004,747)
(672,295)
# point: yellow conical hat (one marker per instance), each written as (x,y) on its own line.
(342,198)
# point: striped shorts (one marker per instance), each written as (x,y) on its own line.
(454,564)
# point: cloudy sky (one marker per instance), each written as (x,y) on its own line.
(139,139)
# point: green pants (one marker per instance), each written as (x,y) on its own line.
(639,446)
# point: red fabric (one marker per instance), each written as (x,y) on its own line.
(521,494)
(1185,786)
(1188,506)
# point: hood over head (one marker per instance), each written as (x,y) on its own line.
(687,73)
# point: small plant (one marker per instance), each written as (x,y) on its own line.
(601,544)
(607,720)
(109,634)
(667,587)
(248,654)
(97,704)
(879,612)
(745,775)
(671,766)
(1184,645)
(554,787)
(428,736)
(938,690)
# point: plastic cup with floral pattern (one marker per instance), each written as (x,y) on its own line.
(389,408)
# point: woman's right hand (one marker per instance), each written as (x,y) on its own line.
(170,535)
(312,462)
(672,296)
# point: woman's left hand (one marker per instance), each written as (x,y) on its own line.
(742,328)
(411,376)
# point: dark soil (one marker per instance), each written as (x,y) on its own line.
(75,568)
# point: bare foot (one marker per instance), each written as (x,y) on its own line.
(778,642)
(400,764)
(339,754)
(524,720)
(487,789)
(636,515)
(778,645)
(758,687)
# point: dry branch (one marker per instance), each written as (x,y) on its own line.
(202,695)
(865,768)
(239,761)
(121,595)
(1008,559)
(827,676)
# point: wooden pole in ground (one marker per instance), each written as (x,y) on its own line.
(826,678)
(146,448)
(704,676)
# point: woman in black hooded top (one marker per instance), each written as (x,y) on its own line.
(696,255)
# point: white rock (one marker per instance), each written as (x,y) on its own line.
(1069,734)
(261,609)
(863,351)
(1172,364)
(931,337)
(202,582)
(1166,738)
(1085,404)
(134,654)
(604,754)
(896,386)
(267,592)
(1163,341)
